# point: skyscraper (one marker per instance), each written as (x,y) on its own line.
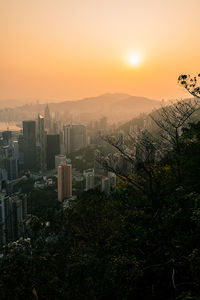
(29,144)
(11,168)
(52,149)
(64,181)
(19,213)
(41,138)
(5,219)
(47,119)
(79,136)
(21,151)
(7,137)
(13,210)
(67,138)
(103,123)
(59,159)
(89,179)
(10,162)
(75,137)
(15,149)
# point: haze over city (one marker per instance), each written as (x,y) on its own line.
(68,50)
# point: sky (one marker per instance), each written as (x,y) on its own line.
(67,50)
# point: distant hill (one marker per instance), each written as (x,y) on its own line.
(11,103)
(144,119)
(117,107)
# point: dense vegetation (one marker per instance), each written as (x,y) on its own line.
(117,246)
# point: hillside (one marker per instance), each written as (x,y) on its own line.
(117,107)
(114,106)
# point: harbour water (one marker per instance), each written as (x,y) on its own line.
(12,126)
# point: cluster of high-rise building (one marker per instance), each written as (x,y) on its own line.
(41,140)
(50,140)
(43,146)
(106,184)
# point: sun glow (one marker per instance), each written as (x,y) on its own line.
(134,60)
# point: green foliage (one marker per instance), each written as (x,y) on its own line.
(82,159)
(25,185)
(41,202)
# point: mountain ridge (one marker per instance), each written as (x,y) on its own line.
(115,106)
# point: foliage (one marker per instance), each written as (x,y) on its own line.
(191,84)
(82,159)
(40,202)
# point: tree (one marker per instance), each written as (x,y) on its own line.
(190,84)
(134,155)
(170,120)
(133,161)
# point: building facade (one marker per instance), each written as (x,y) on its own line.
(52,149)
(64,181)
(41,139)
(59,159)
(89,179)
(29,144)
(75,137)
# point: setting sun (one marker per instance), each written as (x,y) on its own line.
(134,60)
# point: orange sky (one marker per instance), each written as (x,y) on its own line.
(63,50)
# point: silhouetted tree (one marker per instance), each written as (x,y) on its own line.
(191,84)
(132,160)
(171,119)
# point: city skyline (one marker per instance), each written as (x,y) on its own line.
(71,50)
